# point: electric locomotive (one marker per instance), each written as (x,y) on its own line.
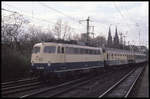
(56,58)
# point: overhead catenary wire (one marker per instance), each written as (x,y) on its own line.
(59,12)
(39,19)
(120,13)
(27,15)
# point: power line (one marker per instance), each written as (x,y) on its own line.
(27,15)
(9,10)
(120,12)
(57,11)
(32,17)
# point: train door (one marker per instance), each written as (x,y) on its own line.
(61,54)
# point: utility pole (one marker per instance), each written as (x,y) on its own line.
(121,41)
(139,38)
(124,42)
(92,31)
(121,37)
(88,19)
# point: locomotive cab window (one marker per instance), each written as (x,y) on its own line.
(36,50)
(49,49)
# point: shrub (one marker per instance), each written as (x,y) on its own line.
(14,65)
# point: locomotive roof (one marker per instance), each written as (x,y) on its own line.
(66,45)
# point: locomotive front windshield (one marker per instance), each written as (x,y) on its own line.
(36,50)
(49,49)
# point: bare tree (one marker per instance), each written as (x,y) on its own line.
(57,29)
(67,31)
(62,30)
(12,29)
(76,37)
(100,41)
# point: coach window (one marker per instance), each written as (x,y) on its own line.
(99,52)
(86,51)
(71,51)
(95,52)
(77,51)
(82,51)
(90,51)
(74,50)
(49,49)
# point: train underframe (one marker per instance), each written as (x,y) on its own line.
(46,76)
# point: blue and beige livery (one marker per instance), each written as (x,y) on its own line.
(55,57)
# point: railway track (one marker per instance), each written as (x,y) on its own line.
(124,86)
(18,86)
(54,88)
(86,89)
(18,82)
(36,89)
(58,90)
(27,90)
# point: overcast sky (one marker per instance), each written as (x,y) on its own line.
(129,17)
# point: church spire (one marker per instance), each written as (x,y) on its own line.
(116,39)
(109,41)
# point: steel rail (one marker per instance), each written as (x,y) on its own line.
(130,89)
(68,87)
(121,80)
(18,81)
(117,83)
(21,86)
(20,90)
(52,88)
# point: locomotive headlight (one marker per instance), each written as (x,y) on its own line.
(49,63)
(32,63)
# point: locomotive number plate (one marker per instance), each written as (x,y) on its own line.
(40,67)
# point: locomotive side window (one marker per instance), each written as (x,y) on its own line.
(36,50)
(49,49)
(58,49)
(62,50)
